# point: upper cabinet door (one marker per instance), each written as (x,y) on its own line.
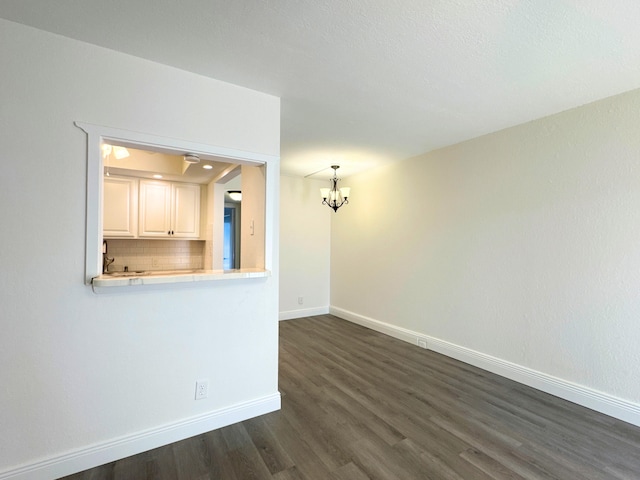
(169,210)
(155,209)
(186,211)
(120,207)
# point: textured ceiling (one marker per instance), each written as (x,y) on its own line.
(369,81)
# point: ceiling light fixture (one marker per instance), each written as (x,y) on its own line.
(106,153)
(191,158)
(235,195)
(106,150)
(335,197)
(120,152)
(207,167)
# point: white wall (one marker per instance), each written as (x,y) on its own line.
(252,217)
(305,239)
(522,246)
(111,371)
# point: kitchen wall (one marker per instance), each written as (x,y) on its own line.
(88,378)
(252,226)
(518,251)
(305,242)
(155,254)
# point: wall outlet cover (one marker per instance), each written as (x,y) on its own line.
(202,389)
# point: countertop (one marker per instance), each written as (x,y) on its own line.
(121,279)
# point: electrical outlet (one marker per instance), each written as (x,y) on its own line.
(422,342)
(154,262)
(300,300)
(202,389)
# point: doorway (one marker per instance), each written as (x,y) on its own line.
(231,249)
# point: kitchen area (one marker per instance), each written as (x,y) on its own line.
(173,218)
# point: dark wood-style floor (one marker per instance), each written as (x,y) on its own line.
(360,405)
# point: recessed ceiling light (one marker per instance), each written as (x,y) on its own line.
(207,167)
(157,175)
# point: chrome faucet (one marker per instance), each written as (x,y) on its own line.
(106,261)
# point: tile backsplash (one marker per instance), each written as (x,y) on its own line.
(156,254)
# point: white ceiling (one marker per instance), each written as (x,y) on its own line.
(364,82)
(149,164)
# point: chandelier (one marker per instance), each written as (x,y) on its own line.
(335,197)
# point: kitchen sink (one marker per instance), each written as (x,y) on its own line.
(126,274)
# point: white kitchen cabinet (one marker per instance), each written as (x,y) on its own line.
(120,211)
(169,210)
(186,210)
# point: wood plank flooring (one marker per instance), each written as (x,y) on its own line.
(361,405)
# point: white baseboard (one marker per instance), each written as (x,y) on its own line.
(593,399)
(126,446)
(304,312)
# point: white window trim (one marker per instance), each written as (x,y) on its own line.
(97,135)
